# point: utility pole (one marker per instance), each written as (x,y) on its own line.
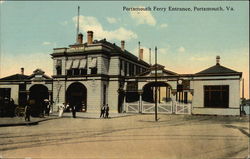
(77,28)
(243,88)
(150,56)
(139,47)
(156,119)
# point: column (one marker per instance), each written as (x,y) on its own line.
(27,98)
(140,101)
(124,103)
(174,100)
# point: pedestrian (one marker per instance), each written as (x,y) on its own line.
(102,111)
(47,106)
(73,109)
(107,111)
(27,111)
(61,107)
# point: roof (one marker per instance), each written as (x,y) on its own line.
(218,69)
(15,77)
(19,77)
(158,67)
(39,72)
(114,50)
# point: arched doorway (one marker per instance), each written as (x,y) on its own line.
(163,92)
(38,93)
(76,95)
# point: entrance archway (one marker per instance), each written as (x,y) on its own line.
(38,93)
(76,95)
(163,92)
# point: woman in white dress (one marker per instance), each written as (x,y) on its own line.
(61,108)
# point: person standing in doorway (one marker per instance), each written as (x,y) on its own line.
(102,111)
(107,111)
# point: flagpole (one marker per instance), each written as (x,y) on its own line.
(77,29)
(156,119)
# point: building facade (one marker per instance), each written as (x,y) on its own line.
(91,74)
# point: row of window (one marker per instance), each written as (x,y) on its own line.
(72,70)
(129,69)
(126,69)
(76,71)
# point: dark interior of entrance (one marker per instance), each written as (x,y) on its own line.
(38,93)
(76,96)
(163,92)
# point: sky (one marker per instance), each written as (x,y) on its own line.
(187,41)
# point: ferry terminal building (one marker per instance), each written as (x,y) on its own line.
(98,72)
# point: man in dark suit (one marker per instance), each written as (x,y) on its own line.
(107,111)
(102,111)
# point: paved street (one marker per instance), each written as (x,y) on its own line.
(137,137)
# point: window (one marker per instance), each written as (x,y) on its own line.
(69,72)
(5,93)
(93,66)
(58,67)
(83,71)
(216,96)
(132,86)
(58,70)
(125,68)
(131,69)
(93,71)
(137,70)
(121,67)
(76,71)
(22,96)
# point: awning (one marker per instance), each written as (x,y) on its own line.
(83,63)
(75,64)
(93,63)
(69,64)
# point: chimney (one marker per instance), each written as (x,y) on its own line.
(217,60)
(22,71)
(123,45)
(141,54)
(90,37)
(79,38)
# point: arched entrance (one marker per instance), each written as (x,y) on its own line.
(163,99)
(163,92)
(76,95)
(38,93)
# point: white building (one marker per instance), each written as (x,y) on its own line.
(94,73)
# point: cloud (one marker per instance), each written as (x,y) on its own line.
(143,17)
(47,43)
(112,20)
(87,23)
(64,23)
(163,50)
(181,49)
(200,58)
(10,65)
(163,26)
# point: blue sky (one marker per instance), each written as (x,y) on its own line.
(187,42)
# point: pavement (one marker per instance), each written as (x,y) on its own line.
(130,137)
(19,121)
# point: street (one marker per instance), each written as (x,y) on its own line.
(137,137)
